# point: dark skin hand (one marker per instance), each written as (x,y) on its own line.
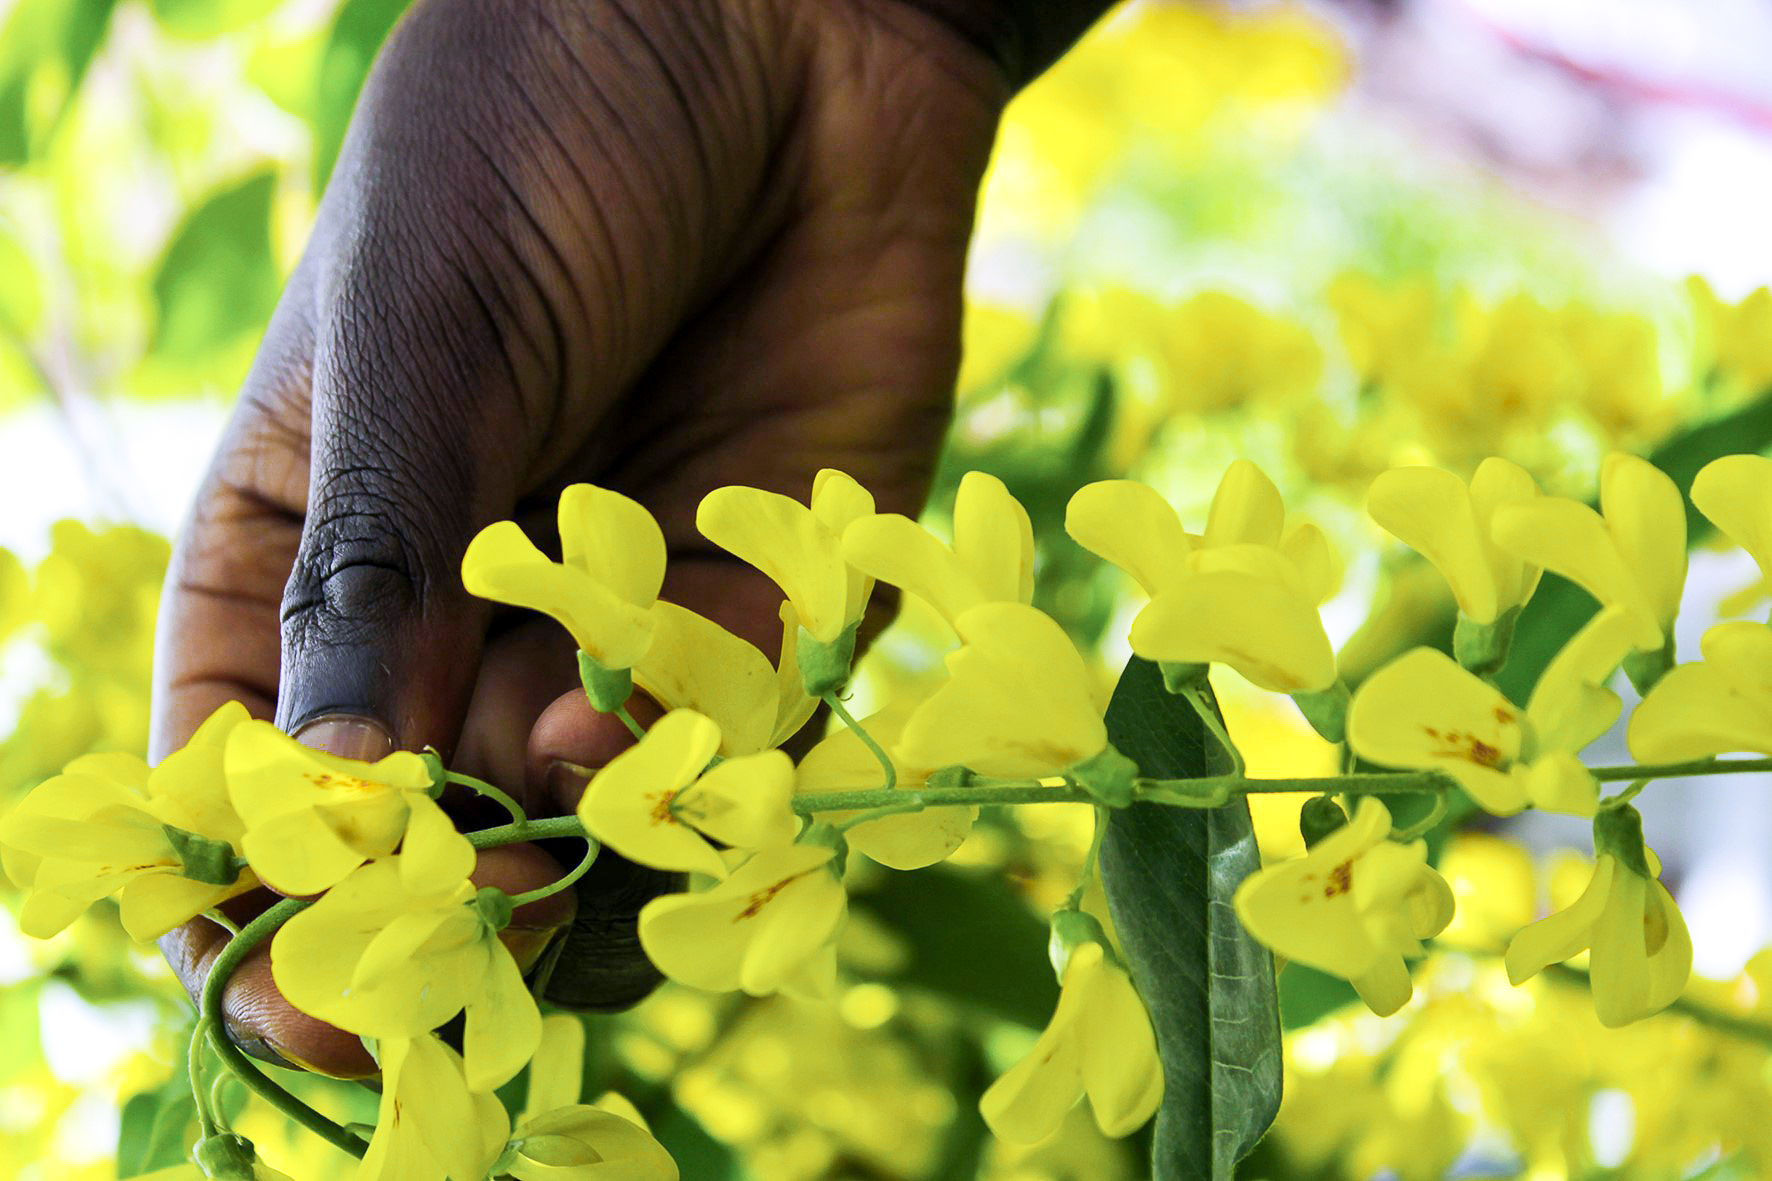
(660,247)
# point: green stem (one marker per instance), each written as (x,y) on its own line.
(480,786)
(214,989)
(1624,797)
(206,1124)
(908,802)
(1075,901)
(1676,770)
(528,830)
(627,719)
(591,850)
(867,739)
(1209,715)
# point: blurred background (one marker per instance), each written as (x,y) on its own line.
(1329,238)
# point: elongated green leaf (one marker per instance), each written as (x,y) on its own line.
(218,279)
(1169,874)
(357,34)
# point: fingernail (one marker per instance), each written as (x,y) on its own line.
(347,736)
(566,783)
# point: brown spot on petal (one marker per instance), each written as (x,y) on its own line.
(1341,880)
(661,811)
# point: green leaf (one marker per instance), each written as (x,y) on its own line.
(45,47)
(156,1129)
(357,34)
(217,280)
(1169,874)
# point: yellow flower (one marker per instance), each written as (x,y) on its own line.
(799,547)
(1735,493)
(1641,951)
(191,1172)
(1099,1043)
(1422,710)
(1634,556)
(756,930)
(1244,593)
(612,564)
(657,803)
(990,561)
(694,663)
(1738,338)
(1019,701)
(1354,906)
(311,818)
(909,840)
(1720,705)
(1434,513)
(560,1139)
(384,956)
(101,828)
(432,1124)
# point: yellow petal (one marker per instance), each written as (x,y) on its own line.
(613,539)
(1133,527)
(1570,538)
(1721,705)
(433,855)
(794,706)
(298,853)
(154,903)
(1570,706)
(1261,628)
(836,501)
(743,802)
(1423,711)
(1317,568)
(503,1025)
(1647,516)
(1029,1101)
(786,541)
(503,565)
(1429,511)
(1642,953)
(1246,509)
(899,552)
(1019,702)
(1496,484)
(1122,1074)
(1555,938)
(580,1143)
(993,539)
(1735,493)
(694,663)
(557,1072)
(1559,782)
(631,804)
(1385,986)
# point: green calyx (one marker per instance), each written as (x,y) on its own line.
(828,835)
(824,668)
(944,777)
(1109,776)
(608,688)
(436,770)
(226,1156)
(1646,668)
(1619,831)
(494,907)
(1482,647)
(1319,818)
(1180,676)
(205,860)
(1071,928)
(1326,710)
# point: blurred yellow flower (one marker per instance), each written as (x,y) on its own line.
(798,546)
(432,1125)
(1099,1043)
(1641,952)
(1354,906)
(1736,339)
(612,565)
(1447,522)
(1633,556)
(1735,494)
(1019,701)
(991,559)
(382,957)
(757,930)
(311,818)
(658,803)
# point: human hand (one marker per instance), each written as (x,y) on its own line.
(660,248)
